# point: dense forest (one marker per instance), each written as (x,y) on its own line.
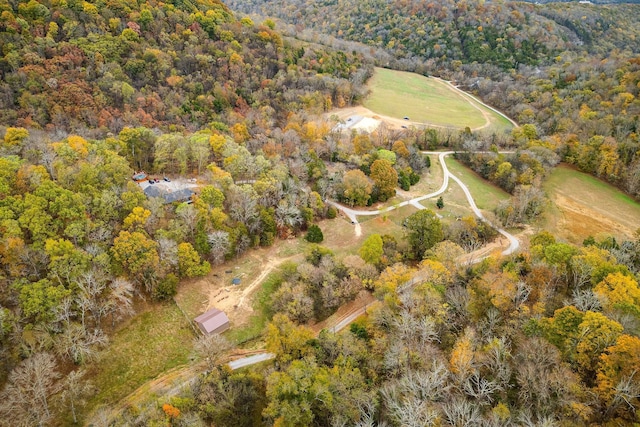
(543,338)
(93,91)
(98,67)
(569,69)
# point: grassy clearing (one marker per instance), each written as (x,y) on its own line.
(426,100)
(582,205)
(486,195)
(257,322)
(429,181)
(156,340)
(455,204)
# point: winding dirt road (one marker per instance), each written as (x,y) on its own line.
(353,214)
(185,375)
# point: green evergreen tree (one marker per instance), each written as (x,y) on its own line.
(314,234)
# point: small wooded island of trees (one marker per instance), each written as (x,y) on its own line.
(411,317)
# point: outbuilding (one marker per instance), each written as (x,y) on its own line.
(213,321)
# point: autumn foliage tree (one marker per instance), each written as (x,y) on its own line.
(137,254)
(356,188)
(618,382)
(385,178)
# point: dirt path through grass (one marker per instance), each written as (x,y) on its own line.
(267,268)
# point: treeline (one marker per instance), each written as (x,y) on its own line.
(81,241)
(586,111)
(95,67)
(541,338)
(578,84)
(505,34)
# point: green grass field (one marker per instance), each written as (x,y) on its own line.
(426,100)
(154,341)
(582,205)
(486,195)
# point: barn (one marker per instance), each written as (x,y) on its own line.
(212,321)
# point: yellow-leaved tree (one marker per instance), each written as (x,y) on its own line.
(618,377)
(619,292)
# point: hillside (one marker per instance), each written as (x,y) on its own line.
(505,34)
(159,159)
(87,65)
(569,69)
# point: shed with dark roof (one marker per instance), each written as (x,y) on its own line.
(212,321)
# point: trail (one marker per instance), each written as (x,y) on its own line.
(181,376)
(500,113)
(353,214)
(268,268)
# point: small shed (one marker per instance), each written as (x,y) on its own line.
(212,321)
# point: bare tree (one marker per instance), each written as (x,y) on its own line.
(585,300)
(75,389)
(408,411)
(25,398)
(626,394)
(120,300)
(368,415)
(189,216)
(481,389)
(427,385)
(65,311)
(243,205)
(219,243)
(544,382)
(396,357)
(414,331)
(523,290)
(211,348)
(497,358)
(92,285)
(462,413)
(78,344)
(102,417)
(168,251)
(242,244)
(287,215)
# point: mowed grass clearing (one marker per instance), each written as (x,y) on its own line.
(426,100)
(582,205)
(486,195)
(154,341)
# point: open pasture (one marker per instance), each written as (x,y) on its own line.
(428,101)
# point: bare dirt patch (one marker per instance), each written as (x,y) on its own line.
(216,289)
(390,122)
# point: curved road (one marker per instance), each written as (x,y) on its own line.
(353,214)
